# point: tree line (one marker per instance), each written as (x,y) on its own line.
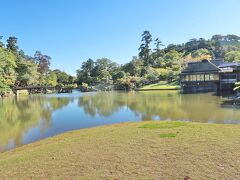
(20,70)
(155,62)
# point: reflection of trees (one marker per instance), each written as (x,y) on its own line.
(19,115)
(144,104)
(150,104)
(57,103)
(104,104)
(165,105)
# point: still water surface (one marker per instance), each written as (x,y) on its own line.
(27,119)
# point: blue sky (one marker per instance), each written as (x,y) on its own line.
(71,31)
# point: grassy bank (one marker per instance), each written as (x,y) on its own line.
(160,86)
(145,150)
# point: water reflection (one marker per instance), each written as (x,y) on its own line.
(27,119)
(18,115)
(161,105)
(103,104)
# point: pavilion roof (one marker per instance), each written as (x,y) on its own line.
(202,66)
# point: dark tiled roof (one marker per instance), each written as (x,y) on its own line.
(232,64)
(203,66)
(218,62)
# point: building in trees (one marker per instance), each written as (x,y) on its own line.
(207,76)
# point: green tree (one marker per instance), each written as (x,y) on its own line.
(232,38)
(196,44)
(3,85)
(7,68)
(232,56)
(43,62)
(172,59)
(176,47)
(1,43)
(217,37)
(134,67)
(88,66)
(118,75)
(158,44)
(12,44)
(201,52)
(27,73)
(152,75)
(85,74)
(51,79)
(62,77)
(145,47)
(104,69)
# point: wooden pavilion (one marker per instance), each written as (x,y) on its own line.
(207,76)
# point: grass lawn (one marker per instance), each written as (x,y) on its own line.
(143,150)
(160,86)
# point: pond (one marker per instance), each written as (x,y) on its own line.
(29,118)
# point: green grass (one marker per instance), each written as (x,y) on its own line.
(165,124)
(142,150)
(169,135)
(161,86)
